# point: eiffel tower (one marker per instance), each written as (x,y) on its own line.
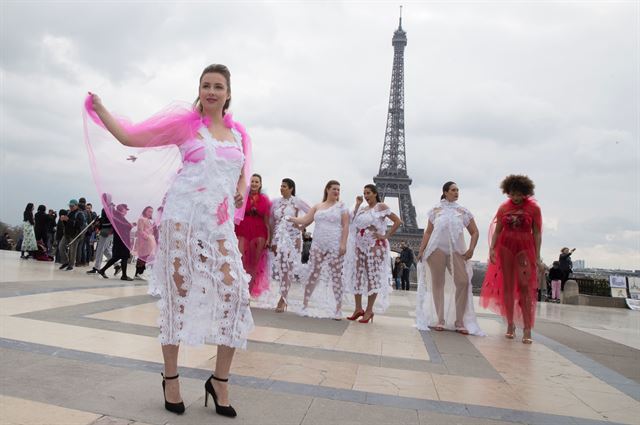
(392,179)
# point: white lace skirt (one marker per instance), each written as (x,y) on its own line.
(426,314)
(198,275)
(367,270)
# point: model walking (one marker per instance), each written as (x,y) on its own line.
(514,254)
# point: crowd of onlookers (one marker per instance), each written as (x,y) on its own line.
(66,236)
(73,237)
(78,236)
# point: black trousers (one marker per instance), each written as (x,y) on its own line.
(565,276)
(405,278)
(124,259)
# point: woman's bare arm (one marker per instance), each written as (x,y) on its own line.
(472,228)
(425,240)
(125,137)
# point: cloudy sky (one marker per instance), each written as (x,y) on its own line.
(543,88)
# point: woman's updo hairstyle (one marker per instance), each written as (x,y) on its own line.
(290,184)
(374,189)
(445,189)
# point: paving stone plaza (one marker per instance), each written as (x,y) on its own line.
(83,350)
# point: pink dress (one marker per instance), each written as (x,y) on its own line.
(145,242)
(252,232)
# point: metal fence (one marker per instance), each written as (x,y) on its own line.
(593,286)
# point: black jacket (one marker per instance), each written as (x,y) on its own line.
(566,264)
(51,224)
(75,224)
(41,226)
(555,273)
(406,256)
(104,221)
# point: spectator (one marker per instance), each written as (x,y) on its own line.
(145,241)
(566,265)
(543,285)
(398,268)
(51,231)
(83,244)
(105,239)
(306,246)
(5,242)
(59,234)
(28,234)
(41,222)
(120,251)
(90,236)
(555,276)
(406,256)
(74,222)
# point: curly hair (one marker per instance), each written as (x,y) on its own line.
(517,183)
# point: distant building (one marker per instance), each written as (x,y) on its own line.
(579,265)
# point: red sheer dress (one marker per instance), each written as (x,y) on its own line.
(252,234)
(513,278)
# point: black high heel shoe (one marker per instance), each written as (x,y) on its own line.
(227,411)
(177,408)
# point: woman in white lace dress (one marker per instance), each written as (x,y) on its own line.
(327,253)
(367,267)
(286,242)
(445,300)
(197,270)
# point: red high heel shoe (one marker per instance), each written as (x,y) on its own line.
(363,320)
(356,314)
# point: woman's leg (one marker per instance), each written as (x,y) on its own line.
(174,290)
(229,293)
(316,259)
(506,260)
(438,264)
(524,279)
(223,366)
(172,386)
(138,267)
(109,263)
(373,274)
(461,280)
(555,289)
(358,299)
(361,278)
(285,274)
(335,271)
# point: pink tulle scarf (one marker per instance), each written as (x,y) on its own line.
(137,177)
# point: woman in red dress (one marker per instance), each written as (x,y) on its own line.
(515,235)
(254,237)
